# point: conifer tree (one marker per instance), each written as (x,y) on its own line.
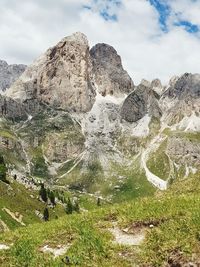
(76,206)
(3,169)
(43,193)
(46,214)
(52,198)
(98,201)
(69,207)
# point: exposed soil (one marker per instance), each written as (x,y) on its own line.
(139,225)
(177,259)
(123,238)
(57,251)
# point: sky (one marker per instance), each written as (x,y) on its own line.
(155,38)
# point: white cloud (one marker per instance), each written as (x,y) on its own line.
(187,9)
(29,27)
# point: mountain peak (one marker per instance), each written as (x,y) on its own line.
(60,78)
(77,36)
(9,74)
(110,76)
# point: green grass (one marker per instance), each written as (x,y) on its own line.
(17,198)
(91,241)
(121,183)
(158,162)
(7,134)
(177,212)
(193,136)
(133,183)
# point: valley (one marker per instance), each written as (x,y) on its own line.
(95,170)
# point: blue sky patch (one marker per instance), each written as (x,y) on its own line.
(106,8)
(104,14)
(163,10)
(188,26)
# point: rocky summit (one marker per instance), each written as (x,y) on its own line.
(109,75)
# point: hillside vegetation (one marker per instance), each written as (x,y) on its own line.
(169,222)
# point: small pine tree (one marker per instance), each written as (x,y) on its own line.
(52,198)
(76,207)
(69,207)
(3,169)
(98,201)
(43,193)
(46,214)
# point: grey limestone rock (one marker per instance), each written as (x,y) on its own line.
(188,85)
(11,109)
(141,101)
(110,77)
(9,74)
(60,78)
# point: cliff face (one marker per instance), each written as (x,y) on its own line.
(76,111)
(61,78)
(68,75)
(110,77)
(143,100)
(9,74)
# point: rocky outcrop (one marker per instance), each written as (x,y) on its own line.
(184,150)
(157,86)
(182,98)
(110,77)
(142,101)
(61,78)
(9,74)
(11,109)
(186,86)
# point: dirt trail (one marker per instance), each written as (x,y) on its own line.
(4,226)
(15,216)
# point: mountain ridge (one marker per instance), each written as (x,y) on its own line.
(114,166)
(95,93)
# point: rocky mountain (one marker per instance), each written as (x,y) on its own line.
(9,74)
(75,118)
(76,134)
